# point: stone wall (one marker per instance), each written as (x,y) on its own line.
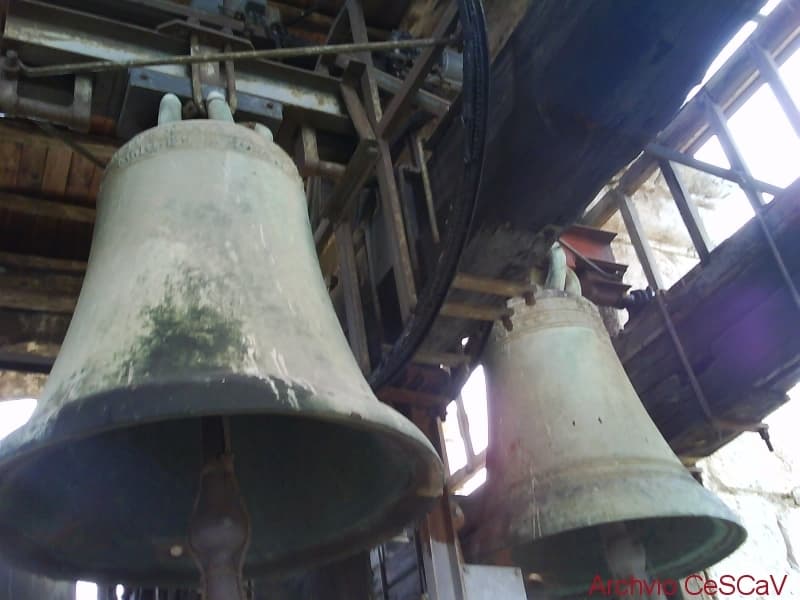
(762,487)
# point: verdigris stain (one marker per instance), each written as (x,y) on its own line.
(186,331)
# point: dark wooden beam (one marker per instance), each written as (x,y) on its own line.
(20,326)
(42,292)
(22,262)
(38,207)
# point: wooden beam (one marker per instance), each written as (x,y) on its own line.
(25,362)
(495,287)
(348,272)
(26,133)
(458,310)
(45,208)
(23,262)
(53,293)
(20,327)
(402,396)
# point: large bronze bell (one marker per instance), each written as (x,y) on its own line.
(574,460)
(203,297)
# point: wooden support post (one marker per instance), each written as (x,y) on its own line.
(640,244)
(441,552)
(348,273)
(390,195)
(688,211)
(395,225)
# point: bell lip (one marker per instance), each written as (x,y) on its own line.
(496,536)
(731,535)
(422,490)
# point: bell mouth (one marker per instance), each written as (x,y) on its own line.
(104,492)
(675,547)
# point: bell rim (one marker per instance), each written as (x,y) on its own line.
(731,536)
(416,497)
(496,536)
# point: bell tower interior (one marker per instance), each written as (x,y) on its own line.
(360,299)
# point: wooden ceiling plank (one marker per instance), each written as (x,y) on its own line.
(27,133)
(31,167)
(79,179)
(94,187)
(24,262)
(9,163)
(56,171)
(45,208)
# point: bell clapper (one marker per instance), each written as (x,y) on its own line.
(219,529)
(625,555)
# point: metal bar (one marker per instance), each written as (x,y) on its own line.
(459,310)
(422,163)
(53,34)
(395,113)
(310,163)
(720,126)
(687,365)
(732,85)
(688,211)
(348,271)
(769,71)
(663,153)
(643,251)
(101,66)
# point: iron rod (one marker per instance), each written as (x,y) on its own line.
(664,153)
(719,124)
(269,54)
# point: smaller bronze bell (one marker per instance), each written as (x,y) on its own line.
(573,457)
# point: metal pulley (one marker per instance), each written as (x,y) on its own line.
(577,470)
(203,299)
